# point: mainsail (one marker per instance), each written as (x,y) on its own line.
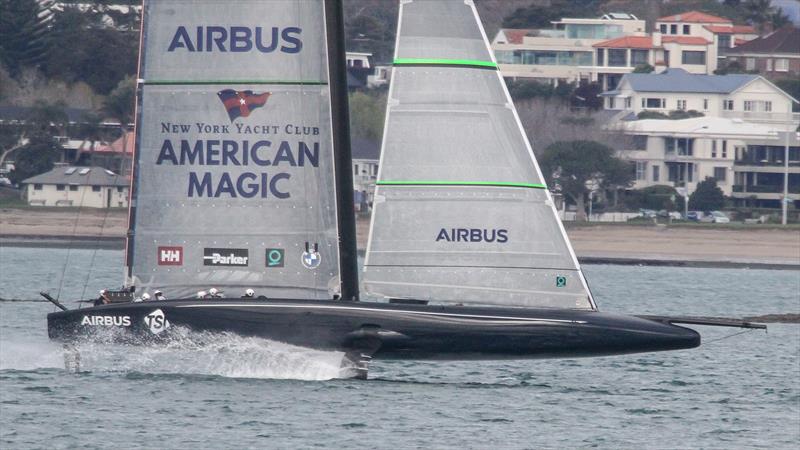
(461,210)
(234,167)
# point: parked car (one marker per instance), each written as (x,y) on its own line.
(694,216)
(648,213)
(715,217)
(4,181)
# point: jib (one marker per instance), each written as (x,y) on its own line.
(107,321)
(237,39)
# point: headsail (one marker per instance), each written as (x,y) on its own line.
(461,210)
(234,175)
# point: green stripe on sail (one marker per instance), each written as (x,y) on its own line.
(462,183)
(209,82)
(444,62)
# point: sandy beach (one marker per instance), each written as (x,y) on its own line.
(705,244)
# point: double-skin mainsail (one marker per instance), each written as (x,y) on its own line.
(462,213)
(240,108)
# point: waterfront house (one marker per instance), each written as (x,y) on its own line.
(748,97)
(366,154)
(776,55)
(746,159)
(91,187)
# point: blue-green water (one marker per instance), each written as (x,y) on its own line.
(739,392)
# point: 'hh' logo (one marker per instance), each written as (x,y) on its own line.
(170,256)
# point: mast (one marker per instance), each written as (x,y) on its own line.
(343,167)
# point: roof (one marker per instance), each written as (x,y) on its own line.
(627,42)
(122,145)
(734,29)
(361,148)
(694,17)
(85,176)
(782,40)
(679,80)
(685,40)
(647,41)
(515,35)
(708,126)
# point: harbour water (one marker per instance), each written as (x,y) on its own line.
(732,392)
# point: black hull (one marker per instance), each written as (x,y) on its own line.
(386,331)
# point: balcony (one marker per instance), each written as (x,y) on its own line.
(755,116)
(765,191)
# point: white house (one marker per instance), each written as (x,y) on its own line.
(736,96)
(92,187)
(745,158)
(719,30)
(366,154)
(564,53)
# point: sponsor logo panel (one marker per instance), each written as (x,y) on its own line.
(106,321)
(170,256)
(228,257)
(156,321)
(311,258)
(275,257)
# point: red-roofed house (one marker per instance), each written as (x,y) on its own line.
(619,56)
(719,30)
(116,156)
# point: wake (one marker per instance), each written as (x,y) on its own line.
(195,353)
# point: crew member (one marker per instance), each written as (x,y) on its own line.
(159,295)
(214,293)
(103,299)
(249,293)
(145,297)
(201,294)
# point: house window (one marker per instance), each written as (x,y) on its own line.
(768,106)
(663,28)
(355,169)
(693,57)
(705,104)
(724,149)
(749,105)
(714,148)
(720,173)
(656,173)
(750,63)
(723,42)
(61,187)
(628,103)
(73,187)
(781,65)
(641,170)
(601,57)
(656,103)
(639,57)
(686,29)
(640,142)
(727,105)
(119,189)
(682,105)
(95,188)
(679,146)
(769,65)
(37,187)
(610,102)
(666,57)
(617,57)
(673,29)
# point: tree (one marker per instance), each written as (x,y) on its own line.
(38,156)
(572,164)
(707,197)
(644,68)
(367,115)
(792,87)
(22,29)
(759,12)
(536,16)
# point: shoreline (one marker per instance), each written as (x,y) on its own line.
(118,243)
(763,247)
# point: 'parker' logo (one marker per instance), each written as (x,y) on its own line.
(237,257)
(170,256)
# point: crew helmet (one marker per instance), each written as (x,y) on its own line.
(145,296)
(201,294)
(249,293)
(213,291)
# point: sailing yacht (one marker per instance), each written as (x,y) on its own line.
(242,180)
